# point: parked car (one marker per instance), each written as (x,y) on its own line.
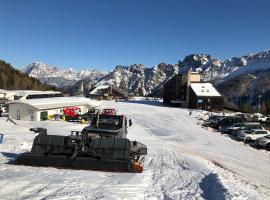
(233,127)
(267,121)
(244,116)
(249,127)
(227,121)
(213,120)
(88,116)
(252,135)
(263,141)
(240,134)
(259,117)
(57,117)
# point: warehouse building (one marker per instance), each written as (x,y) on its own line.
(39,109)
(187,90)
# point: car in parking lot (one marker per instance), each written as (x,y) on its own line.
(227,121)
(245,127)
(263,141)
(213,120)
(252,135)
(259,117)
(237,126)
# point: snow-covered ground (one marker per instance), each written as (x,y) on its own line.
(184,161)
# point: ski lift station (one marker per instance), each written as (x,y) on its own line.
(39,109)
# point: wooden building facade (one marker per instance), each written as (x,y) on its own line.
(187,90)
(204,96)
(107,92)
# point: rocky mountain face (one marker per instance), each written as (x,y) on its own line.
(61,78)
(206,64)
(250,92)
(138,79)
(239,78)
(244,81)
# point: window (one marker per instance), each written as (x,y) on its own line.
(41,96)
(18,115)
(261,132)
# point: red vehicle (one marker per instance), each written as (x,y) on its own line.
(72,113)
(108,111)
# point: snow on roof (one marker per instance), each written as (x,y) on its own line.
(96,91)
(204,89)
(26,92)
(57,102)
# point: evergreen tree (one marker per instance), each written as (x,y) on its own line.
(11,78)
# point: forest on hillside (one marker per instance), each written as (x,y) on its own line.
(13,79)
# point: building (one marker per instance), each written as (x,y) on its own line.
(39,109)
(107,92)
(187,90)
(11,95)
(204,96)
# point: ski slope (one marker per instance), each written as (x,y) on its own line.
(184,161)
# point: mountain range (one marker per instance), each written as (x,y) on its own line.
(61,78)
(237,78)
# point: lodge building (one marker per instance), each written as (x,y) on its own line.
(187,90)
(107,92)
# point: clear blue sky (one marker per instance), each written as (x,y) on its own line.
(102,34)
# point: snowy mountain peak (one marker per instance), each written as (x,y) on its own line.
(37,69)
(137,78)
(60,77)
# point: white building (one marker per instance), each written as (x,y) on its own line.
(12,95)
(35,109)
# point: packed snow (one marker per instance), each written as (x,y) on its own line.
(184,161)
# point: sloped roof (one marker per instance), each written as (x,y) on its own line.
(57,102)
(9,93)
(205,89)
(97,89)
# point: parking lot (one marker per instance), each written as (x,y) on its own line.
(237,127)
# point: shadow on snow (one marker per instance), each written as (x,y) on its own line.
(212,188)
(10,156)
(149,102)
